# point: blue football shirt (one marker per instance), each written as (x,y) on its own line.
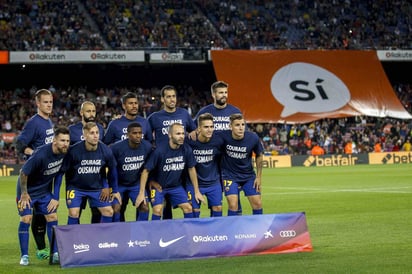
(168,165)
(237,156)
(41,168)
(36,132)
(117,129)
(86,170)
(161,120)
(220,115)
(130,161)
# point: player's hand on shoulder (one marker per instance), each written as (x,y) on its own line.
(192,135)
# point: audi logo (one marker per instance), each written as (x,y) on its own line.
(287,233)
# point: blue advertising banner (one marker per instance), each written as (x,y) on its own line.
(137,242)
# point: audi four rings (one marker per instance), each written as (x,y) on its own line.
(287,233)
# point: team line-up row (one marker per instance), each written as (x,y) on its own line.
(167,159)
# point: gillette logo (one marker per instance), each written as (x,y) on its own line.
(108,245)
(78,248)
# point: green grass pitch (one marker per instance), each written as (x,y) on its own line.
(359,219)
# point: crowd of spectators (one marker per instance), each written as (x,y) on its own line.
(333,135)
(46,25)
(153,24)
(16,106)
(245,24)
(316,24)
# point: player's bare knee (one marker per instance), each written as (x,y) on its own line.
(217,208)
(233,204)
(74,212)
(116,208)
(26,219)
(256,203)
(158,210)
(186,207)
(106,211)
(51,217)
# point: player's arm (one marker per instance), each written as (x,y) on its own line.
(108,135)
(105,192)
(25,138)
(192,135)
(258,181)
(54,202)
(23,148)
(113,183)
(193,178)
(143,181)
(25,199)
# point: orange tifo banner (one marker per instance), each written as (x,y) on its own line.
(301,86)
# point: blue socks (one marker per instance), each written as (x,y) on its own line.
(231,213)
(24,238)
(49,228)
(216,213)
(143,216)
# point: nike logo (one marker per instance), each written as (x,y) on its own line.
(165,244)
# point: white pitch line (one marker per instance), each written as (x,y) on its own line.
(328,190)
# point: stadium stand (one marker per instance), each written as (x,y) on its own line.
(246,24)
(176,25)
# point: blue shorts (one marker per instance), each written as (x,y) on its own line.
(213,194)
(234,187)
(177,196)
(74,198)
(39,204)
(131,191)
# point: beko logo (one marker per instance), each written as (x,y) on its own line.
(78,248)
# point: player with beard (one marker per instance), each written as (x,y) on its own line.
(34,190)
(169,161)
(87,114)
(36,132)
(117,130)
(160,122)
(221,111)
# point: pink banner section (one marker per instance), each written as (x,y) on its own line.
(137,242)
